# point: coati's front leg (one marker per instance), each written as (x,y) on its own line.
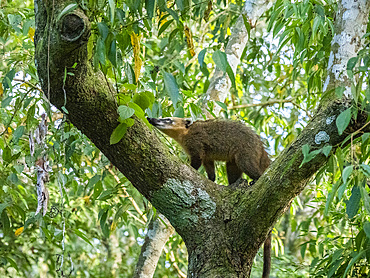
(195,162)
(233,172)
(209,165)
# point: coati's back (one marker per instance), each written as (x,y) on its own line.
(218,140)
(223,140)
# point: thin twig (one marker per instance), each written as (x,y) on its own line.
(128,196)
(29,84)
(267,103)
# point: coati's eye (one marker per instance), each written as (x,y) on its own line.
(188,123)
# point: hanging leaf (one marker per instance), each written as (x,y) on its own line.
(112,8)
(150,6)
(346,173)
(189,40)
(354,202)
(220,60)
(367,229)
(66,10)
(343,120)
(201,56)
(118,133)
(135,41)
(171,87)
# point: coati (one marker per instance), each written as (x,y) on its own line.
(221,140)
(218,140)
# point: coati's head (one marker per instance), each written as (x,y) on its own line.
(172,126)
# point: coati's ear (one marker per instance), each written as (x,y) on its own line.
(188,122)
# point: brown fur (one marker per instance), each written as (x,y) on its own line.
(221,140)
(218,140)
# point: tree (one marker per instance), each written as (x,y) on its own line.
(222,227)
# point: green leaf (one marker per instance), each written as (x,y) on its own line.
(201,56)
(330,197)
(5,223)
(164,27)
(354,202)
(93,181)
(339,91)
(138,111)
(12,263)
(230,73)
(308,156)
(112,55)
(118,133)
(3,206)
(352,63)
(129,86)
(353,261)
(18,133)
(343,120)
(98,188)
(247,25)
(326,150)
(103,30)
(222,105)
(171,87)
(220,60)
(346,173)
(365,196)
(7,154)
(125,112)
(106,195)
(367,229)
(144,100)
(82,236)
(112,8)
(100,51)
(66,10)
(150,6)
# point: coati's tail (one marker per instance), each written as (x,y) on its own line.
(267,257)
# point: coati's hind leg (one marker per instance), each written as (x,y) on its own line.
(233,172)
(250,166)
(209,165)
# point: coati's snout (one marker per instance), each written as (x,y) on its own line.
(169,123)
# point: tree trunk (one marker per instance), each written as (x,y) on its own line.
(223,227)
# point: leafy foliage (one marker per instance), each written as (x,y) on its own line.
(160,56)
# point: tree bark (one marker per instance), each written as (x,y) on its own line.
(223,227)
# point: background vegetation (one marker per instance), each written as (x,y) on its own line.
(160,56)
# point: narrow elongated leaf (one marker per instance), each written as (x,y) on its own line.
(365,196)
(82,236)
(367,229)
(346,173)
(67,10)
(164,27)
(118,133)
(353,261)
(201,56)
(354,202)
(149,5)
(343,120)
(112,8)
(220,60)
(171,87)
